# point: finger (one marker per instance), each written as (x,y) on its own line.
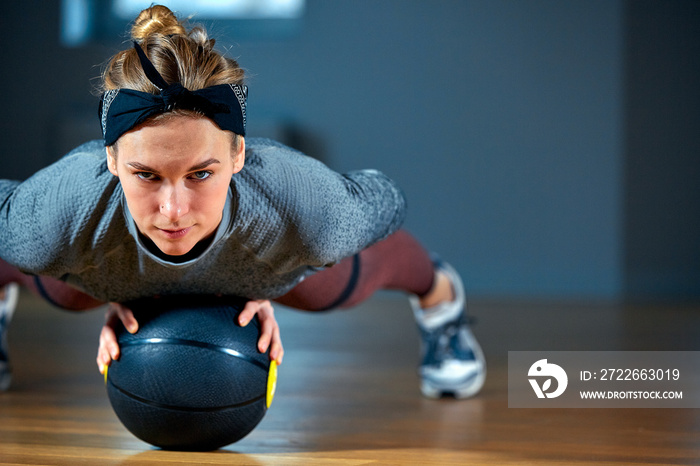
(128,319)
(101,364)
(108,348)
(271,332)
(277,356)
(265,337)
(249,310)
(276,348)
(103,361)
(268,326)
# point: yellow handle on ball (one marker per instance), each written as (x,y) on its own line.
(271,382)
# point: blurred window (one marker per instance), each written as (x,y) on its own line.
(98,21)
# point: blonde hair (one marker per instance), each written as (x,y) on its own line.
(179,55)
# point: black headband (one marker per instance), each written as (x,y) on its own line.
(121,110)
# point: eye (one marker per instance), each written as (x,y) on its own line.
(201,175)
(146,176)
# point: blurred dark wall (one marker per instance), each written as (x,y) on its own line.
(547,147)
(44,87)
(662,149)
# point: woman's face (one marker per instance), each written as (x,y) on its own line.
(175,175)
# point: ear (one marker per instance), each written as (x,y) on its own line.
(239,158)
(111,160)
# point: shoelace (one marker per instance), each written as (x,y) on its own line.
(444,343)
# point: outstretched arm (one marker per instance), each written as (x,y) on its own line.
(52,221)
(304,213)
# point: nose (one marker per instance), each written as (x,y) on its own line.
(174,203)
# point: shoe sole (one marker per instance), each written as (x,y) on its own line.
(459,390)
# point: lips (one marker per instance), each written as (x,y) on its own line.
(176,233)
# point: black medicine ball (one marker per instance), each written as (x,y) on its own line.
(191,378)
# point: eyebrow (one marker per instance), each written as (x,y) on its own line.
(200,166)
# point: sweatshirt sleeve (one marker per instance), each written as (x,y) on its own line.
(50,223)
(294,210)
(359,208)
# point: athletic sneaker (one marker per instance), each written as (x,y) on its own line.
(452,360)
(7,308)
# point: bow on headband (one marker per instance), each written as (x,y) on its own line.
(121,110)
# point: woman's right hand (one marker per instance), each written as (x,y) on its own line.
(108,350)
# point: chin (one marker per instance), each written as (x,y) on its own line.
(174,249)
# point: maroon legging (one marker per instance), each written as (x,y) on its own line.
(398,262)
(55,291)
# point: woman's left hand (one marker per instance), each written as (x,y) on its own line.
(269,330)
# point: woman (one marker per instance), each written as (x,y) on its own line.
(182,203)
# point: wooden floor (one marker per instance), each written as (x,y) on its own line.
(347,393)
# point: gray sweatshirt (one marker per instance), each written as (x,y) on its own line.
(287,216)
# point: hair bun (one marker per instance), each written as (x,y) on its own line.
(157,19)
